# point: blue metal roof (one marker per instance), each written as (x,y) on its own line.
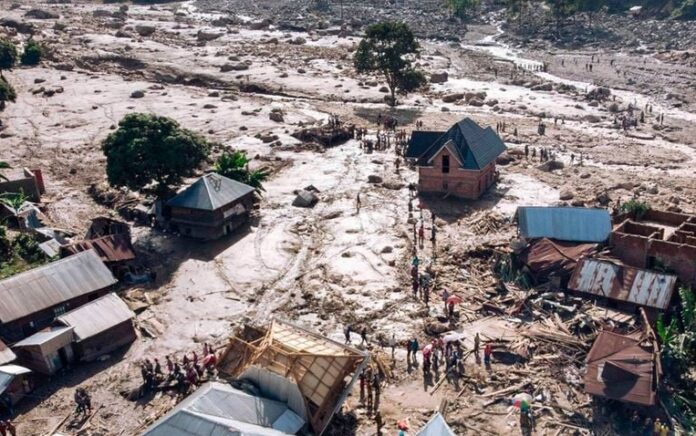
(575,224)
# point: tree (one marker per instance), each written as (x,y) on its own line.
(561,9)
(462,8)
(7,93)
(8,55)
(33,51)
(590,7)
(384,50)
(235,165)
(14,202)
(147,148)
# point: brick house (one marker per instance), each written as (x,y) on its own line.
(212,207)
(460,162)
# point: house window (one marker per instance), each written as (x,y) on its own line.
(445,164)
(60,310)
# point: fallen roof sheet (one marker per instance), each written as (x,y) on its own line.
(576,224)
(545,256)
(110,248)
(98,316)
(8,373)
(52,284)
(210,192)
(6,354)
(218,409)
(605,278)
(621,368)
(437,426)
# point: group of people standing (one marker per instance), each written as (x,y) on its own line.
(187,373)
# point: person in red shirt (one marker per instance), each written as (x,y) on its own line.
(487,351)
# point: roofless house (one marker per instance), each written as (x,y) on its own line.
(459,162)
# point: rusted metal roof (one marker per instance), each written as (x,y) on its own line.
(621,368)
(605,278)
(52,284)
(6,355)
(98,316)
(110,248)
(545,257)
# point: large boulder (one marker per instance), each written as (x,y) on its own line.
(145,30)
(551,165)
(276,116)
(40,14)
(439,77)
(451,98)
(305,198)
(543,87)
(204,35)
(258,25)
(373,178)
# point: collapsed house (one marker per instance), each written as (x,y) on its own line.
(623,285)
(437,426)
(571,224)
(116,251)
(28,182)
(218,409)
(105,226)
(658,239)
(460,162)
(31,301)
(623,368)
(309,373)
(210,208)
(554,261)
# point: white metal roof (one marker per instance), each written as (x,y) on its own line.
(437,426)
(52,284)
(97,316)
(41,338)
(218,409)
(8,373)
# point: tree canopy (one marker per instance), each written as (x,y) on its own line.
(235,165)
(147,148)
(8,54)
(462,8)
(33,51)
(384,50)
(7,93)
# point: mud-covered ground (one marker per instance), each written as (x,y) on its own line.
(328,266)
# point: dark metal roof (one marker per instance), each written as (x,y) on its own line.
(605,278)
(210,192)
(621,368)
(52,284)
(110,248)
(576,224)
(98,316)
(420,142)
(475,146)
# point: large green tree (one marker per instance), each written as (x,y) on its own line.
(561,10)
(235,165)
(8,54)
(7,93)
(462,8)
(147,148)
(385,49)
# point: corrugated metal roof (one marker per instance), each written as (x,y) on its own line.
(210,192)
(623,283)
(110,248)
(545,257)
(437,426)
(576,224)
(217,409)
(6,355)
(475,146)
(97,316)
(8,373)
(620,368)
(41,338)
(420,142)
(52,284)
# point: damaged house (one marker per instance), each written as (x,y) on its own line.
(210,208)
(658,240)
(309,373)
(31,301)
(459,162)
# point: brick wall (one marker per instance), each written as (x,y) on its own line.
(678,257)
(468,184)
(631,249)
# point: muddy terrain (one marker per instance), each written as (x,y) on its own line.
(219,69)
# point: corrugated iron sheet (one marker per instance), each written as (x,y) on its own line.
(6,355)
(52,284)
(98,316)
(61,334)
(110,248)
(576,224)
(623,283)
(545,257)
(437,426)
(621,368)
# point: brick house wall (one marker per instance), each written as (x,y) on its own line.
(467,184)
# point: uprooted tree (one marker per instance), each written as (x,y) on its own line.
(147,149)
(385,49)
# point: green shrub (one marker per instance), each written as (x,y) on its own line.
(27,247)
(33,52)
(635,208)
(8,54)
(7,93)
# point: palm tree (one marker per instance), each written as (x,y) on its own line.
(235,165)
(14,201)
(4,166)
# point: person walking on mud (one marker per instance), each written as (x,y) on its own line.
(376,388)
(363,336)
(368,383)
(421,235)
(445,297)
(392,344)
(357,204)
(477,345)
(346,332)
